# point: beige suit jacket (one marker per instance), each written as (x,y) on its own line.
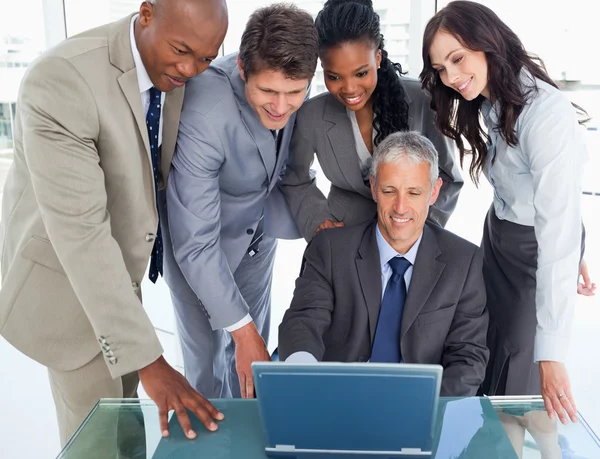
(79,210)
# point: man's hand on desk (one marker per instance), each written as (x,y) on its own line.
(171,391)
(249,347)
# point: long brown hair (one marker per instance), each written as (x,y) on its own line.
(478,28)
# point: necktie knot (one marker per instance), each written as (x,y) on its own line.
(399,265)
(155,96)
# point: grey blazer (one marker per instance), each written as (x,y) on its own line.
(336,304)
(224,173)
(323,127)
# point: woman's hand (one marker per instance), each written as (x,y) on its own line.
(587,287)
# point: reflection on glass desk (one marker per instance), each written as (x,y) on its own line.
(467,428)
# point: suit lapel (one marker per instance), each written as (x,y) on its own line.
(369,275)
(131,90)
(262,136)
(341,139)
(426,273)
(171,114)
(119,51)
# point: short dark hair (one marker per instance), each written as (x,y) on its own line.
(280,37)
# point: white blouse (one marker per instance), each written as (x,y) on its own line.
(539,183)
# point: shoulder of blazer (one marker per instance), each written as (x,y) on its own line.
(347,240)
(313,110)
(454,248)
(413,90)
(210,94)
(92,41)
(108,45)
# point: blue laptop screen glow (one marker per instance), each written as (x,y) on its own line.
(349,407)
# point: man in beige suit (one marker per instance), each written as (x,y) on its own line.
(79,216)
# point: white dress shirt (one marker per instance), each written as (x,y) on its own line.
(364,156)
(538,183)
(144,81)
(386,253)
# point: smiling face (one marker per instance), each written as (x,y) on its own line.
(459,68)
(273,96)
(178,40)
(350,72)
(403,193)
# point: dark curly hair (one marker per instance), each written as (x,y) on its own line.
(343,21)
(478,28)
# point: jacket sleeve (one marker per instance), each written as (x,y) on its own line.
(449,171)
(194,210)
(299,184)
(465,352)
(309,316)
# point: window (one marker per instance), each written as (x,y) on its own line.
(22,39)
(85,14)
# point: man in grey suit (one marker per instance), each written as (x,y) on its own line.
(223,210)
(394,290)
(96,125)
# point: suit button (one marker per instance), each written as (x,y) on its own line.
(135,285)
(150,237)
(250,231)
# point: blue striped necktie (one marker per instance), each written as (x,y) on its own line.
(153,123)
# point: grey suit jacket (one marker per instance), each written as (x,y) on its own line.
(323,127)
(223,179)
(336,304)
(79,211)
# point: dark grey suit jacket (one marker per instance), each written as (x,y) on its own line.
(336,304)
(323,128)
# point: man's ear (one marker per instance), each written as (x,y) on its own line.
(373,192)
(435,192)
(241,68)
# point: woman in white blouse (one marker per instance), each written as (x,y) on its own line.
(367,100)
(533,154)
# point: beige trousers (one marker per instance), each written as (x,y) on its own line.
(76,392)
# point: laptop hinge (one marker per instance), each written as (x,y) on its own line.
(285,447)
(411,450)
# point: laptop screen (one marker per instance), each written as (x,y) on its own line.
(346,406)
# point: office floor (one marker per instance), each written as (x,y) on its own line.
(27,425)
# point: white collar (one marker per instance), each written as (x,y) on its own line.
(144,81)
(387,252)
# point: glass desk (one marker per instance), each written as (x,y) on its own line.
(467,428)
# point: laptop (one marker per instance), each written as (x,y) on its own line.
(347,410)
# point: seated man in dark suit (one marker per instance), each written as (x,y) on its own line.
(396,289)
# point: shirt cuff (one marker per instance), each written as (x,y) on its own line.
(236,326)
(301,357)
(549,346)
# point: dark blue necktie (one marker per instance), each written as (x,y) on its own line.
(153,123)
(386,345)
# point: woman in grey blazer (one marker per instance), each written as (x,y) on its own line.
(533,155)
(368,99)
